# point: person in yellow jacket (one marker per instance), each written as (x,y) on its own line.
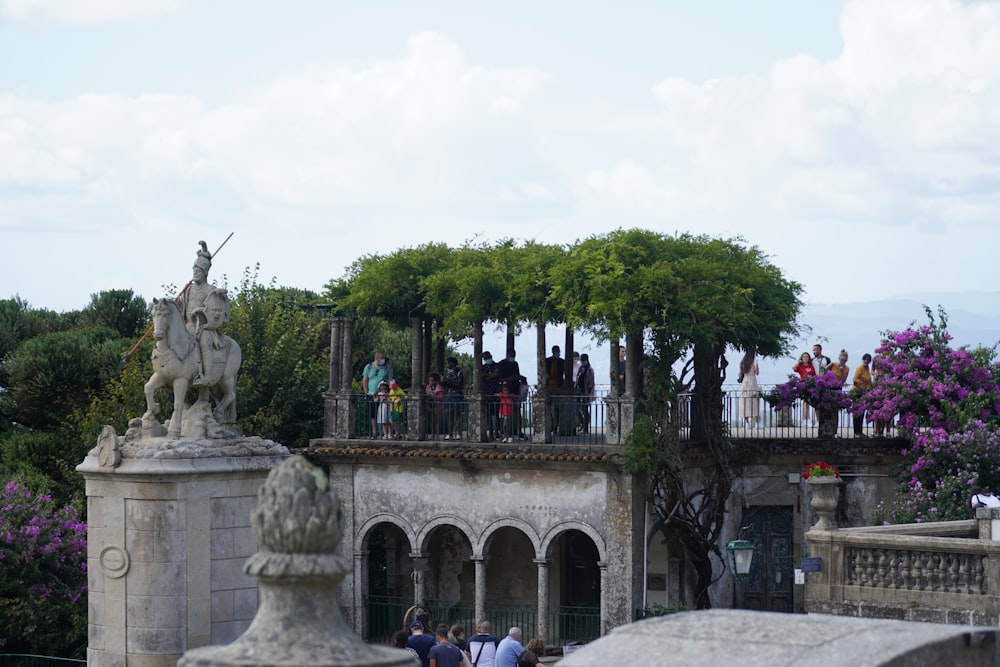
(863,382)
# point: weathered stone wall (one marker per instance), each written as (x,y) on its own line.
(505,515)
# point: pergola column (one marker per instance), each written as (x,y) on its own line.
(477,404)
(541,418)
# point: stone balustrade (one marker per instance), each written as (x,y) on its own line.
(943,572)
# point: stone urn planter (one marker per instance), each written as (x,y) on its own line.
(824,501)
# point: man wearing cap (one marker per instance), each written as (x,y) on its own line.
(483,645)
(420,642)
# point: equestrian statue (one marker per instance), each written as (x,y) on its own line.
(190,352)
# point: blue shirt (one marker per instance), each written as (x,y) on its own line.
(422,644)
(445,654)
(508,651)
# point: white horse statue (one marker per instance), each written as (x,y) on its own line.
(176,363)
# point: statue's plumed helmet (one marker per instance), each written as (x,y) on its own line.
(204,259)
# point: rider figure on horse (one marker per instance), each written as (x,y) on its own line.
(205,308)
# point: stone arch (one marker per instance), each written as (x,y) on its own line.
(445,520)
(553,534)
(449,580)
(365,529)
(479,547)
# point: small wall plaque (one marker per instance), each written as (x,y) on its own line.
(115,562)
(811,565)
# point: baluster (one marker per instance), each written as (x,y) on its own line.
(934,581)
(905,572)
(881,576)
(953,573)
(858,569)
(870,567)
(982,583)
(918,571)
(964,574)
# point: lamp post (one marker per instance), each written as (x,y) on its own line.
(740,557)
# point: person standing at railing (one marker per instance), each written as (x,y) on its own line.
(805,369)
(490,389)
(375,372)
(397,397)
(435,403)
(862,382)
(584,392)
(840,370)
(454,388)
(749,390)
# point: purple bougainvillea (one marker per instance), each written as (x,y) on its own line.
(43,574)
(946,401)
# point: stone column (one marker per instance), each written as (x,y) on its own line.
(474,394)
(480,587)
(347,352)
(541,415)
(346,424)
(336,360)
(360,591)
(605,620)
(418,580)
(416,355)
(543,599)
(633,367)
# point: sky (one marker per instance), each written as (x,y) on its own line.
(856,142)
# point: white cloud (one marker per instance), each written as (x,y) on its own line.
(899,131)
(91,12)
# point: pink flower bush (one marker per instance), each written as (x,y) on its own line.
(43,574)
(947,403)
(823,392)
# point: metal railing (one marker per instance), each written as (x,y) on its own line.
(750,416)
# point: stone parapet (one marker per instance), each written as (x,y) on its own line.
(941,572)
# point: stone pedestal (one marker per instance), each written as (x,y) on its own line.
(168,531)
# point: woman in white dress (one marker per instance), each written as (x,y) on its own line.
(749,390)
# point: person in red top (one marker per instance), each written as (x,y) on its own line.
(805,369)
(506,411)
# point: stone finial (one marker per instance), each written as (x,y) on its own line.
(297,524)
(296,511)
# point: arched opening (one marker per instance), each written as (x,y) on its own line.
(390,590)
(450,579)
(511,582)
(575,582)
